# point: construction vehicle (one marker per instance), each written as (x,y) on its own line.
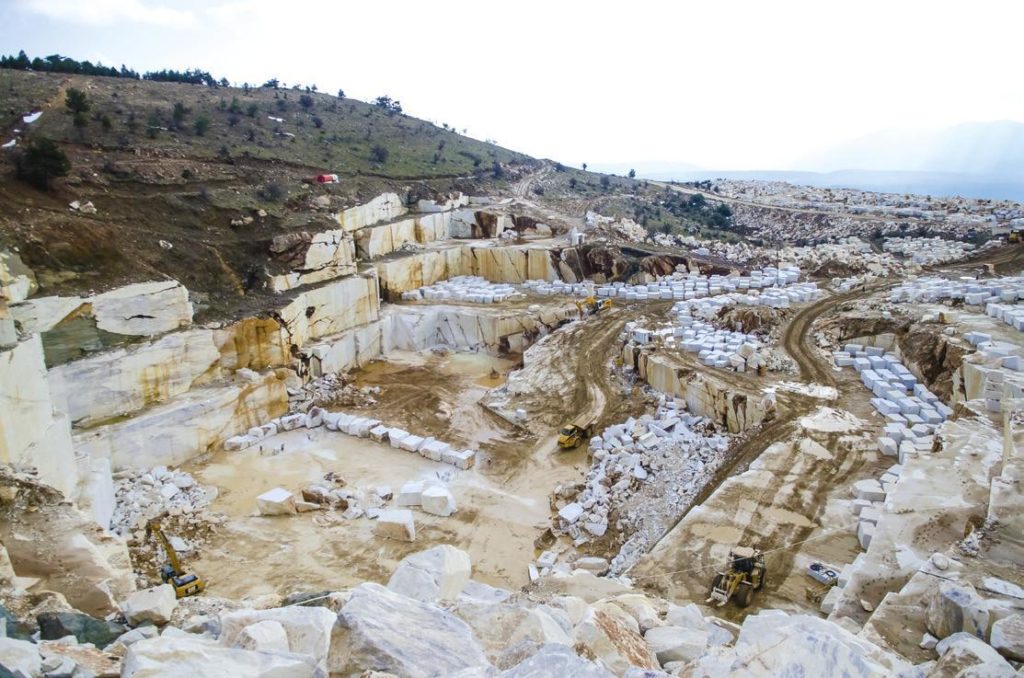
(170,572)
(570,435)
(1016,235)
(744,575)
(591,306)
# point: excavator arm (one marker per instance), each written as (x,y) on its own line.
(153,528)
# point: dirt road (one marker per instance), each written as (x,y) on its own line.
(776,501)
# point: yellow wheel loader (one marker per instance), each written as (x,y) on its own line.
(171,572)
(591,306)
(744,575)
(571,435)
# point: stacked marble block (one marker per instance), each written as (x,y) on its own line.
(714,347)
(973,292)
(928,250)
(560,288)
(870,495)
(468,288)
(358,427)
(1011,314)
(912,412)
(696,286)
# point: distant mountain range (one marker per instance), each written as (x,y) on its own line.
(976,160)
(991,149)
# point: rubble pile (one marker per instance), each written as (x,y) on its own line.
(468,288)
(331,389)
(928,250)
(668,456)
(177,500)
(141,496)
(847,255)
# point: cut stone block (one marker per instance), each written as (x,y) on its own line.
(276,502)
(395,524)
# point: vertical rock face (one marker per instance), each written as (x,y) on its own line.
(312,258)
(386,631)
(47,538)
(125,380)
(705,394)
(143,309)
(331,309)
(377,241)
(195,422)
(31,432)
(382,208)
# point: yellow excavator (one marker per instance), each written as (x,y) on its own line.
(744,575)
(170,572)
(572,434)
(590,306)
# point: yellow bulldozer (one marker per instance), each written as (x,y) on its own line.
(744,574)
(572,434)
(591,306)
(170,572)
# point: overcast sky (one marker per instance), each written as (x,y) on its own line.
(723,85)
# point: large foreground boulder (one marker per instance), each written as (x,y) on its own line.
(557,660)
(439,573)
(386,631)
(956,607)
(1008,637)
(308,629)
(20,657)
(155,605)
(773,643)
(85,629)
(614,640)
(264,636)
(962,654)
(201,658)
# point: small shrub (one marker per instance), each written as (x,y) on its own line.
(274,191)
(76,101)
(201,125)
(41,163)
(379,154)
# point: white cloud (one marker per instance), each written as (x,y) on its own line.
(106,12)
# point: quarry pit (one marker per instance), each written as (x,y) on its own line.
(409,384)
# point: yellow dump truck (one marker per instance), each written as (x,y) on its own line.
(570,435)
